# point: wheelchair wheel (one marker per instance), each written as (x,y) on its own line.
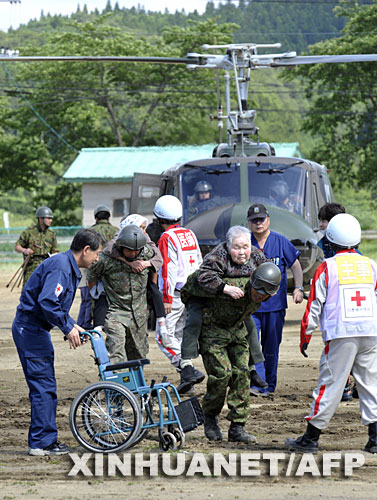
(180,437)
(167,441)
(105,417)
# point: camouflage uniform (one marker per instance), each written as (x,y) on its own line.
(106,230)
(126,319)
(215,267)
(41,242)
(224,348)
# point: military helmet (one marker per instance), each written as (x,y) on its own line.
(101,208)
(266,278)
(131,237)
(44,212)
(344,231)
(202,187)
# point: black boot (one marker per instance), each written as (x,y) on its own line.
(308,443)
(371,445)
(212,430)
(256,380)
(237,433)
(189,377)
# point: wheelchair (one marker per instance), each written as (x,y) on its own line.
(117,412)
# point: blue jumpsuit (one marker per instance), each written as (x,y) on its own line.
(44,303)
(270,317)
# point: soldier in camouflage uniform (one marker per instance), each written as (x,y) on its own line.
(98,307)
(102,225)
(233,258)
(225,349)
(38,241)
(126,319)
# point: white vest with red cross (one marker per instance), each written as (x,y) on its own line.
(351,307)
(181,256)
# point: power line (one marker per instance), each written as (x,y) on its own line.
(61,138)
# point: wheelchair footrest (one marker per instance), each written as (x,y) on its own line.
(190,414)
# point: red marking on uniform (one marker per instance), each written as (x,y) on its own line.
(305,320)
(191,261)
(358,299)
(164,249)
(169,349)
(318,399)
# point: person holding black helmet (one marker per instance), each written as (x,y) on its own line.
(38,242)
(126,318)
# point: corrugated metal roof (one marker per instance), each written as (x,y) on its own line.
(120,164)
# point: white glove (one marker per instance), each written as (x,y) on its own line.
(167,340)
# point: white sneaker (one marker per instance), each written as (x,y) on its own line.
(53,449)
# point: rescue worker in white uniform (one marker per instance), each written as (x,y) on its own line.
(343,299)
(181,256)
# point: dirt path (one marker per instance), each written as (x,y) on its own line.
(271,420)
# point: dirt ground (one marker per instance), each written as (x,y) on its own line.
(271,420)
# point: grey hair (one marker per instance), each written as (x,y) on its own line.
(235,232)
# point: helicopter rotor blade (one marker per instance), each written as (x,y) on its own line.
(346,58)
(155,60)
(195,60)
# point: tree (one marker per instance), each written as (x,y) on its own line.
(68,106)
(343,103)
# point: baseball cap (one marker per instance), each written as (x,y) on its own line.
(257,211)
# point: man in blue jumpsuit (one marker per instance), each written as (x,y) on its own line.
(44,303)
(270,317)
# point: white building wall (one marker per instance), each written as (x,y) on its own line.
(94,194)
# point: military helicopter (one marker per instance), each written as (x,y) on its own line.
(242,171)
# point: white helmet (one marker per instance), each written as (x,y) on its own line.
(168,207)
(344,230)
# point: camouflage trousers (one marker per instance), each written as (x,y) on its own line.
(226,363)
(124,340)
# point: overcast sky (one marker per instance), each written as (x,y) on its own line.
(16,13)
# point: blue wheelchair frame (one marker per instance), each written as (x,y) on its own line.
(129,376)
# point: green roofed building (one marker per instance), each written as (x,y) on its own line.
(106,173)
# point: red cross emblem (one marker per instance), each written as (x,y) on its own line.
(358,299)
(191,261)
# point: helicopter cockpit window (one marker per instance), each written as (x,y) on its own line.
(204,188)
(279,186)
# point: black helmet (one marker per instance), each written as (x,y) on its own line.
(266,278)
(44,212)
(202,187)
(131,237)
(101,208)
